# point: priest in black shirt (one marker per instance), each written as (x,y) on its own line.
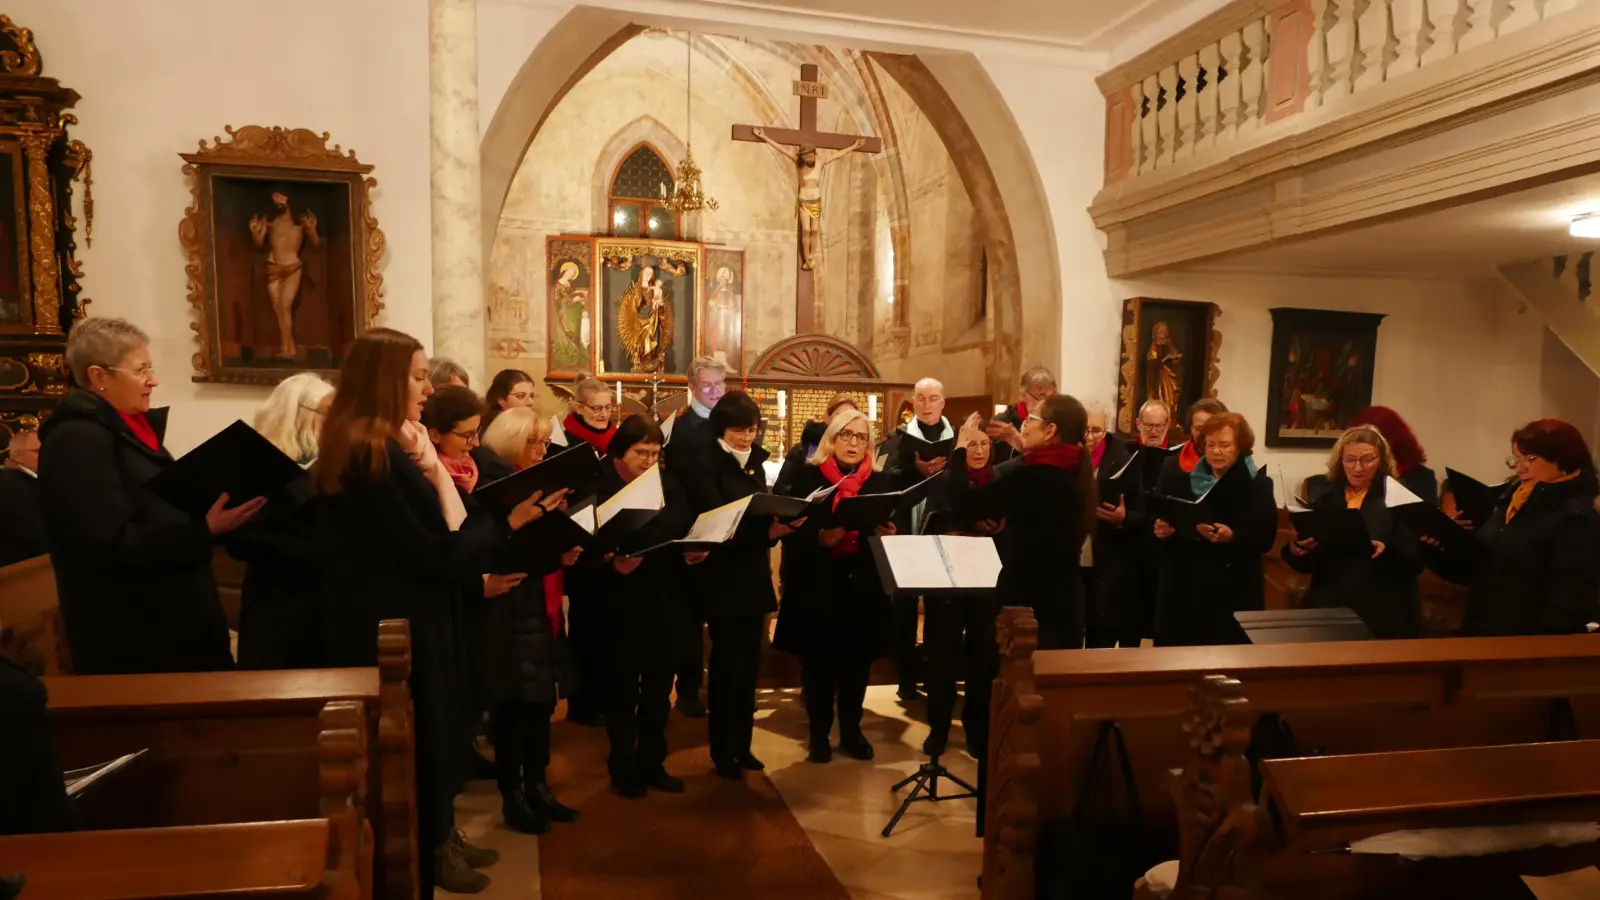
(691,435)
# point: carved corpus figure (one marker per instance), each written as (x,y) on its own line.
(283,234)
(808,189)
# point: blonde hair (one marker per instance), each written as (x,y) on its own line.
(1360,434)
(290,418)
(824,451)
(510,432)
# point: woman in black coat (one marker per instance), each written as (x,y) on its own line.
(1213,571)
(733,587)
(278,614)
(1534,567)
(835,616)
(1046,504)
(133,573)
(639,598)
(1379,583)
(399,543)
(518,637)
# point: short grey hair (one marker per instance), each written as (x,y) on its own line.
(102,342)
(1038,375)
(705,362)
(1096,408)
(442,369)
(1155,403)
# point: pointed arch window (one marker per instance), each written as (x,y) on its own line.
(635,196)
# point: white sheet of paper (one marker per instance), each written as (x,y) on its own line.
(1397,494)
(584,517)
(972,561)
(666,427)
(1126,464)
(79,780)
(643,492)
(916,561)
(558,435)
(821,492)
(718,524)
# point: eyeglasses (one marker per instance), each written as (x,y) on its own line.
(1218,446)
(468,436)
(1363,462)
(144,373)
(1157,427)
(1032,419)
(535,442)
(1095,432)
(853,437)
(1515,460)
(600,409)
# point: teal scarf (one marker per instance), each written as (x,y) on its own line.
(1202,480)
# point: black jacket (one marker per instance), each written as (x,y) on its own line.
(391,555)
(1422,482)
(736,579)
(1538,573)
(517,652)
(279,623)
(1044,512)
(1114,582)
(1203,584)
(834,607)
(901,467)
(794,462)
(33,795)
(22,525)
(1382,591)
(133,573)
(691,439)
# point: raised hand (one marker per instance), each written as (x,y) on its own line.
(529,510)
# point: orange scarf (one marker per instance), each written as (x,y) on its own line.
(1353,498)
(1520,496)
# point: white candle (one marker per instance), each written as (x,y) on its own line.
(783,403)
(872,407)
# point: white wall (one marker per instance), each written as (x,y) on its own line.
(1455,358)
(159,75)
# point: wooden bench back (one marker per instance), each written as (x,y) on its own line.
(328,856)
(1338,698)
(30,621)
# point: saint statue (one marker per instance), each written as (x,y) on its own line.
(1163,375)
(723,313)
(644,322)
(808,189)
(569,343)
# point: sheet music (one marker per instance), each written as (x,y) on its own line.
(79,780)
(717,525)
(821,492)
(1125,465)
(916,561)
(643,492)
(584,517)
(1397,494)
(666,427)
(971,562)
(558,435)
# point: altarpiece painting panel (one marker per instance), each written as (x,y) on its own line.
(723,315)
(648,318)
(570,298)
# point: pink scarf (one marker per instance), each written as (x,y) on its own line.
(1097,454)
(463,471)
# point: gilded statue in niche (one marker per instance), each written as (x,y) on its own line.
(644,321)
(1163,365)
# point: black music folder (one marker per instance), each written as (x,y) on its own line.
(1475,501)
(926,450)
(1183,515)
(1302,626)
(1334,530)
(865,512)
(1126,481)
(928,564)
(541,543)
(576,468)
(236,461)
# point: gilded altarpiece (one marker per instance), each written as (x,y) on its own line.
(39,161)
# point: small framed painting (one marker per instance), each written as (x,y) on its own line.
(1321,374)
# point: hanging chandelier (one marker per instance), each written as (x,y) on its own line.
(687,195)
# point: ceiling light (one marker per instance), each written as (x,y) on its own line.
(1586,226)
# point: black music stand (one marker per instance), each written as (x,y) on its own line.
(1302,626)
(927,778)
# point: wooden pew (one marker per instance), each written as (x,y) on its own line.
(1286,840)
(328,856)
(1336,698)
(234,747)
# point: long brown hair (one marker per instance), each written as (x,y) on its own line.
(368,408)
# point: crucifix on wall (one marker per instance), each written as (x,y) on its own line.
(809,160)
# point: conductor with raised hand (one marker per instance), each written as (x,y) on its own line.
(133,573)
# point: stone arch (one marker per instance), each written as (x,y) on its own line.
(953,90)
(646,129)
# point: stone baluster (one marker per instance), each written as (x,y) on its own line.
(1167,116)
(1136,129)
(1519,15)
(1341,44)
(1372,35)
(1479,27)
(1408,17)
(1188,106)
(1208,116)
(1149,126)
(1229,49)
(1252,76)
(1317,52)
(1444,18)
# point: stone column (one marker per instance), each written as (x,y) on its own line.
(458,291)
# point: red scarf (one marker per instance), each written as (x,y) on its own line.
(140,425)
(1022,411)
(555,587)
(1098,454)
(848,486)
(463,471)
(981,477)
(599,440)
(1188,457)
(1065,457)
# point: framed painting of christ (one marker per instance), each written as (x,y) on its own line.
(722,335)
(648,317)
(283,254)
(1320,376)
(1169,353)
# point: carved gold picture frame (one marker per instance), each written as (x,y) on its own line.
(279,221)
(1195,342)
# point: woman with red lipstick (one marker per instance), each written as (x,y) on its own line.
(133,573)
